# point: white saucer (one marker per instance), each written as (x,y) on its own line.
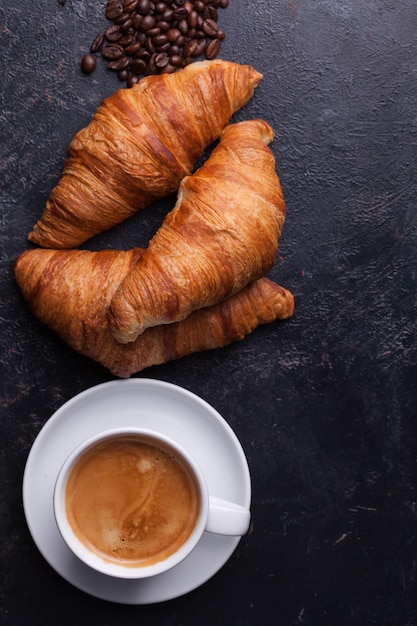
(149,403)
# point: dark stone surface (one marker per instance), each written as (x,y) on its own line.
(325,404)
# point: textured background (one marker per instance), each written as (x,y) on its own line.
(325,404)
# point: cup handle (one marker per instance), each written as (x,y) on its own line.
(227,518)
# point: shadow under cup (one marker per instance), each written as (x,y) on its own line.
(131,503)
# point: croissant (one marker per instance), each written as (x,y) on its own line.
(138,146)
(70,291)
(221,235)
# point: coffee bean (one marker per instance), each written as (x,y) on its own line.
(152,32)
(190,48)
(138,66)
(200,48)
(132,80)
(126,25)
(125,40)
(112,51)
(213,49)
(210,27)
(163,26)
(88,63)
(183,27)
(133,49)
(137,20)
(119,64)
(161,59)
(123,75)
(130,5)
(114,10)
(97,43)
(112,33)
(176,60)
(192,19)
(147,23)
(180,14)
(143,7)
(168,15)
(160,39)
(173,34)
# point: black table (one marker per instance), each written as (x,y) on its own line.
(324,404)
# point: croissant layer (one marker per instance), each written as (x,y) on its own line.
(138,146)
(70,291)
(221,235)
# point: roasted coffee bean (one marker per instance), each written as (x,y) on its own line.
(137,20)
(173,34)
(130,5)
(192,19)
(113,33)
(97,43)
(88,63)
(210,27)
(133,49)
(112,51)
(149,46)
(210,13)
(125,26)
(180,14)
(190,48)
(138,66)
(200,48)
(160,39)
(141,37)
(168,15)
(176,60)
(169,69)
(132,80)
(213,49)
(119,64)
(114,10)
(183,27)
(125,40)
(143,7)
(161,59)
(160,7)
(152,32)
(199,6)
(163,26)
(123,75)
(147,23)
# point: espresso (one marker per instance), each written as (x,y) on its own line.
(131,501)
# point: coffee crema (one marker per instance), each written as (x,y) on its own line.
(132,502)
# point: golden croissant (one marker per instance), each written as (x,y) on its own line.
(221,235)
(70,291)
(138,146)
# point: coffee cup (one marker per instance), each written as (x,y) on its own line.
(133,503)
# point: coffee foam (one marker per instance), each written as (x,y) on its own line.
(132,502)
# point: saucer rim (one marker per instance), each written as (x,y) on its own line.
(214,550)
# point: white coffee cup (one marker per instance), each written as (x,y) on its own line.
(214,515)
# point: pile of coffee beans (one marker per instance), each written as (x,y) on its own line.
(148,37)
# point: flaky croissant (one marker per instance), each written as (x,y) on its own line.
(139,145)
(221,235)
(70,290)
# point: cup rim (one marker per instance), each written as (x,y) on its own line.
(109,567)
